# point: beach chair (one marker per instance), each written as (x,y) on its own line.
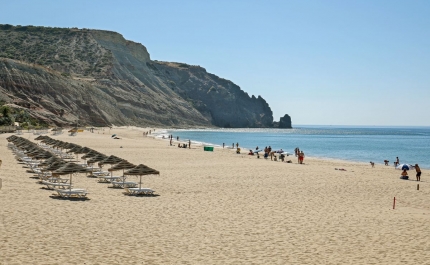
(124,184)
(139,191)
(72,193)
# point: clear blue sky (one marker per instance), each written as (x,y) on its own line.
(322,62)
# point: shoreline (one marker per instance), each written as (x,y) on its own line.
(322,158)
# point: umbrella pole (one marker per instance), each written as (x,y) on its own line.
(140,182)
(70,188)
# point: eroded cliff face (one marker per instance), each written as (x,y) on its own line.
(219,100)
(61,75)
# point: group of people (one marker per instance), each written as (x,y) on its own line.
(299,154)
(404,174)
(146,133)
(269,152)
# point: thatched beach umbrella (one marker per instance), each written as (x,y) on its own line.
(124,164)
(54,166)
(43,155)
(69,168)
(84,150)
(60,144)
(34,152)
(49,141)
(74,149)
(24,143)
(110,160)
(91,154)
(11,138)
(50,161)
(141,170)
(69,145)
(40,137)
(97,158)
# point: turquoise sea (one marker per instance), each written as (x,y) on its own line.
(353,143)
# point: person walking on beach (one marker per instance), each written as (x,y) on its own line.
(177,138)
(237,145)
(397,162)
(232,145)
(301,157)
(189,144)
(418,170)
(223,144)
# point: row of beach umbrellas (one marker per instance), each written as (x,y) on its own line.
(59,166)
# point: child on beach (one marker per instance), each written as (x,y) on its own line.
(404,174)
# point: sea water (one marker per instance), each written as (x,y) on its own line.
(353,143)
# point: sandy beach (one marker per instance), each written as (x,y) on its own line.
(215,208)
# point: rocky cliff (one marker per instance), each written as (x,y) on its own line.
(285,122)
(61,75)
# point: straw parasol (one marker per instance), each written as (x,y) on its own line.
(124,164)
(43,155)
(97,158)
(84,150)
(110,160)
(34,152)
(11,138)
(41,137)
(69,168)
(69,146)
(50,161)
(91,154)
(74,149)
(49,141)
(54,166)
(141,170)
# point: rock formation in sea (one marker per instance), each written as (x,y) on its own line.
(285,122)
(61,75)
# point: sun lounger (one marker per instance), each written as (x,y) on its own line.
(55,185)
(107,179)
(54,180)
(100,173)
(124,184)
(72,193)
(139,191)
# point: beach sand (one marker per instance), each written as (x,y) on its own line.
(215,208)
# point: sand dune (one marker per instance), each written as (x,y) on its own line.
(215,208)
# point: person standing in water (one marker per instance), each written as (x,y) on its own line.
(418,170)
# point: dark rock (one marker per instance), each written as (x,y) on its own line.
(285,122)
